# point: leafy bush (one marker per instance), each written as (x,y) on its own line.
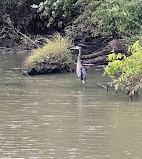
(55,52)
(55,12)
(110,18)
(120,17)
(126,72)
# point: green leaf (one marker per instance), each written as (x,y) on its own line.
(119,56)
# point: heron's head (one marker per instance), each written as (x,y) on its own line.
(76,48)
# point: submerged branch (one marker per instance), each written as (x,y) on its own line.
(101,85)
(25,73)
(26,37)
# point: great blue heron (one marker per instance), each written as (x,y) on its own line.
(80,70)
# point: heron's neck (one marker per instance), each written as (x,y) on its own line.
(79,54)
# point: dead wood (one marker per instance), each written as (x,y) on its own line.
(101,86)
(112,45)
(97,60)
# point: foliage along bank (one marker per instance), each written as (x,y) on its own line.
(76,18)
(115,18)
(126,72)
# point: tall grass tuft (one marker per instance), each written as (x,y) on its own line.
(55,52)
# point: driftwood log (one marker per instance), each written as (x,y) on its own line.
(100,60)
(100,57)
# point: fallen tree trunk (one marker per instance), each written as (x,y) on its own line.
(95,54)
(112,45)
(99,60)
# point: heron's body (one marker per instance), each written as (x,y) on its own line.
(80,70)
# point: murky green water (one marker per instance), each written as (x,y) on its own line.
(55,117)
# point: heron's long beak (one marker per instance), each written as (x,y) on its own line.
(82,45)
(75,48)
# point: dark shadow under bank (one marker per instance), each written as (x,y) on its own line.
(48,69)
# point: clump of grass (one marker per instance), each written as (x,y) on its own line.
(54,53)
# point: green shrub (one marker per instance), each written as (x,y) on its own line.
(55,52)
(121,17)
(55,12)
(126,72)
(110,18)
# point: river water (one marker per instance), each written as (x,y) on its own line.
(55,117)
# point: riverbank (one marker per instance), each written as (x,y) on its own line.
(10,50)
(94,54)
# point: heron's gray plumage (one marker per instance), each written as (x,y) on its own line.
(80,70)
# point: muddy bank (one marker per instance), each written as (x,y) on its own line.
(32,43)
(48,69)
(22,50)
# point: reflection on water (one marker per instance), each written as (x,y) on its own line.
(55,117)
